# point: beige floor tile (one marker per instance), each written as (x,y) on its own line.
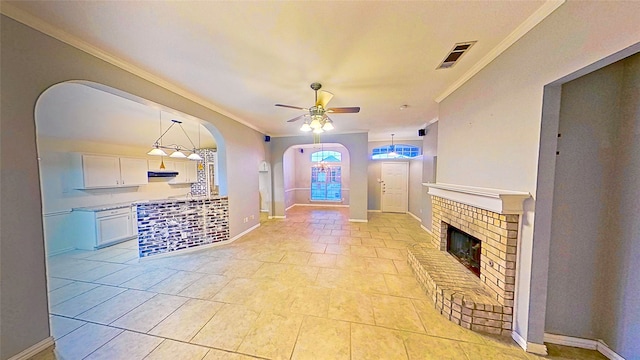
(205,287)
(187,320)
(177,282)
(348,240)
(437,325)
(360,234)
(85,301)
(271,270)
(54,283)
(406,286)
(227,328)
(85,340)
(403,268)
(376,242)
(396,313)
(393,254)
(366,251)
(146,316)
(127,345)
(380,235)
(110,310)
(424,347)
(353,263)
(170,349)
(323,339)
(122,276)
(215,354)
(296,257)
(338,249)
(272,336)
(396,244)
(559,352)
(61,326)
(382,266)
(148,279)
(310,301)
(242,268)
(369,282)
(350,306)
(480,352)
(328,238)
(69,291)
(322,260)
(372,342)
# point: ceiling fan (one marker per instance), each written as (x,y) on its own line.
(317,119)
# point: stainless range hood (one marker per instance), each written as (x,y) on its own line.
(162,173)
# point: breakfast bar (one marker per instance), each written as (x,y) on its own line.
(172,225)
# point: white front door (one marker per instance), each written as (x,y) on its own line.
(394,185)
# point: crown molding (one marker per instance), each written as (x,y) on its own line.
(61,35)
(543,11)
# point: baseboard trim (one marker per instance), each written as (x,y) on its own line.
(375,211)
(61,251)
(287,209)
(414,216)
(358,220)
(244,232)
(320,204)
(34,350)
(582,343)
(277,217)
(534,348)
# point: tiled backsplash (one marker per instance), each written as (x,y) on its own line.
(172,225)
(200,188)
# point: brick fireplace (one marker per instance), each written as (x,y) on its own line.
(483,303)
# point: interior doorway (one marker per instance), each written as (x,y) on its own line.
(394,187)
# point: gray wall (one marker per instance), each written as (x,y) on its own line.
(593,287)
(31,63)
(429,167)
(356,144)
(489,132)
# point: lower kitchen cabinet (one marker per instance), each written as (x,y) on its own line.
(100,228)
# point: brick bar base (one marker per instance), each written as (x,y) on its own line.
(458,294)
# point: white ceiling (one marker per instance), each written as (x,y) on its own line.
(246,56)
(74,111)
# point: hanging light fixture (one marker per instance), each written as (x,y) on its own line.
(194,155)
(177,149)
(392,153)
(322,165)
(306,127)
(328,125)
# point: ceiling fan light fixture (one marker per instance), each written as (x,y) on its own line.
(315,122)
(318,130)
(305,127)
(328,125)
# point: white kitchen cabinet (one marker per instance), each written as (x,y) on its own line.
(106,171)
(133,171)
(187,172)
(96,229)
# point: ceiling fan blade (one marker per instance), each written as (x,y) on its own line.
(297,118)
(343,110)
(292,107)
(323,98)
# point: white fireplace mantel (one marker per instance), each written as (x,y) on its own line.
(496,200)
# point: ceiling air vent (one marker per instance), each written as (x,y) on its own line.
(456,53)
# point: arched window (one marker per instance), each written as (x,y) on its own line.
(326,176)
(399,151)
(326,156)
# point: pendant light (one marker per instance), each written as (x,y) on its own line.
(177,149)
(157,151)
(392,153)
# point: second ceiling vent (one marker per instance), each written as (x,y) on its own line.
(455,54)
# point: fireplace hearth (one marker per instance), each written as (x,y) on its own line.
(465,248)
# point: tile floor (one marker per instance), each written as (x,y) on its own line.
(312,286)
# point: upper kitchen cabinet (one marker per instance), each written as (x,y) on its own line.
(106,171)
(187,172)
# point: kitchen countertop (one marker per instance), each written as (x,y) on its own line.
(103,207)
(178,199)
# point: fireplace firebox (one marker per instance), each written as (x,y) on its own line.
(465,248)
